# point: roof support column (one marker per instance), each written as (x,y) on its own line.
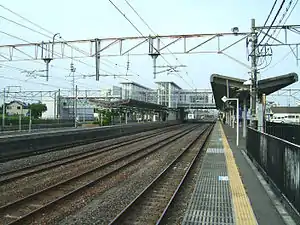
(232,118)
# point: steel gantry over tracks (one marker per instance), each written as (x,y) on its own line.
(209,43)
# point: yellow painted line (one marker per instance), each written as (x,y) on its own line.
(244,214)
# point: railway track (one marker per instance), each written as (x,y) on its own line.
(20,173)
(75,143)
(25,210)
(151,205)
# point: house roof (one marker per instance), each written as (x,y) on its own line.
(25,106)
(295,109)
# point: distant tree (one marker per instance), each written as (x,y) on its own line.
(37,109)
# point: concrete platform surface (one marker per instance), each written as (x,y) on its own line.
(228,189)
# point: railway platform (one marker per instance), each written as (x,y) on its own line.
(229,188)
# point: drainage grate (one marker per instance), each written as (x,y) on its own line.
(211,200)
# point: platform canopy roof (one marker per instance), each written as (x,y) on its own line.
(131,103)
(237,89)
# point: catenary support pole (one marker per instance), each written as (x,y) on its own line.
(58,106)
(75,106)
(55,106)
(244,117)
(253,91)
(237,122)
(3,110)
(30,121)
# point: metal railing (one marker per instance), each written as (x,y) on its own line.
(279,160)
(289,132)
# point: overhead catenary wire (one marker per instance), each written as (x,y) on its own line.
(156,34)
(32,72)
(123,14)
(270,26)
(141,18)
(46,30)
(284,22)
(281,19)
(270,13)
(105,71)
(48,36)
(280,60)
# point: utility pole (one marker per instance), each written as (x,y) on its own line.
(58,105)
(55,106)
(253,87)
(73,69)
(85,103)
(76,106)
(20,119)
(30,121)
(3,110)
(97,58)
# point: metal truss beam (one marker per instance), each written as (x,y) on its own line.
(288,29)
(116,46)
(287,91)
(29,94)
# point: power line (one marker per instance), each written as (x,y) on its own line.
(283,15)
(33,72)
(161,41)
(279,61)
(269,28)
(35,24)
(53,66)
(123,14)
(26,81)
(13,36)
(26,27)
(47,31)
(280,20)
(57,54)
(26,19)
(280,7)
(268,16)
(77,49)
(139,16)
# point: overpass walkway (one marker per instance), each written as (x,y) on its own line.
(229,189)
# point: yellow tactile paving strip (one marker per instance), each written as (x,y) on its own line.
(244,214)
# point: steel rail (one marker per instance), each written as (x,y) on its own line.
(23,203)
(121,217)
(30,170)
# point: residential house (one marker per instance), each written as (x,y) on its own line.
(17,108)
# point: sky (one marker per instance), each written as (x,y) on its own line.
(76,20)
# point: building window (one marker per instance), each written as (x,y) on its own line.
(18,107)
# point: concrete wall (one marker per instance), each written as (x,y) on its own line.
(16,145)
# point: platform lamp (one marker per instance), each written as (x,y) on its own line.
(225,99)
